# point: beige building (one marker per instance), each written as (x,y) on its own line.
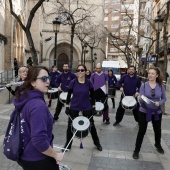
(13,42)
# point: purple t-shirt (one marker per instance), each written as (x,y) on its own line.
(81,96)
(98,80)
(159,96)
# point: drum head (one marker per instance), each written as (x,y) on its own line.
(53,90)
(99,106)
(81,123)
(63,95)
(129,101)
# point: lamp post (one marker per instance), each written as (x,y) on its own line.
(158,25)
(56,27)
(85,51)
(95,58)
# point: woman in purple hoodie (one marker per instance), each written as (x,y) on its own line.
(37,123)
(151,111)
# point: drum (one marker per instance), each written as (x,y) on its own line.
(82,125)
(64,167)
(111,92)
(129,102)
(63,97)
(53,93)
(99,106)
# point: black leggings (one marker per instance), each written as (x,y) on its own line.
(143,127)
(45,164)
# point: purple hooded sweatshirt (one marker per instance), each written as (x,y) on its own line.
(36,125)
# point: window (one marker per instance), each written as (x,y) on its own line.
(106,11)
(114,26)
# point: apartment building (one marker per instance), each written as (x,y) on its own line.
(119,21)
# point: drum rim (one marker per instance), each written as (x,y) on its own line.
(76,120)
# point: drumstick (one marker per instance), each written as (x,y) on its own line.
(59,147)
(69,142)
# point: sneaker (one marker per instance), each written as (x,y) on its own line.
(107,121)
(99,147)
(135,155)
(159,149)
(115,124)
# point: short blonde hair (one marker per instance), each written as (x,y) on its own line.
(22,69)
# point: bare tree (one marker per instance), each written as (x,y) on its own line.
(26,28)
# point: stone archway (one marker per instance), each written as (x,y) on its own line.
(62,59)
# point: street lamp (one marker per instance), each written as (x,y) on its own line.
(158,26)
(56,27)
(95,58)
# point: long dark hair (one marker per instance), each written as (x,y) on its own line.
(33,72)
(159,79)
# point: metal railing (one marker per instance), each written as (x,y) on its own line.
(6,77)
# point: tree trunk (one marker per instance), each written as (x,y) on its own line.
(32,47)
(71,46)
(92,59)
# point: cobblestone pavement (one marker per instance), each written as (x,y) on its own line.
(117,142)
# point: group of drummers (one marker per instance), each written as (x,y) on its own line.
(86,96)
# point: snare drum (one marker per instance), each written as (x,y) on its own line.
(82,125)
(63,97)
(129,102)
(99,106)
(53,93)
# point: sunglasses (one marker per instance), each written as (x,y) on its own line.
(44,78)
(82,70)
(153,92)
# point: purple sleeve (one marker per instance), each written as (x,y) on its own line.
(38,125)
(163,97)
(141,91)
(71,84)
(58,81)
(121,81)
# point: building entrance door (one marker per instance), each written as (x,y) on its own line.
(62,59)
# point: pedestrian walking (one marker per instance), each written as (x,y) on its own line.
(22,73)
(62,83)
(82,101)
(150,109)
(53,77)
(37,138)
(100,83)
(112,81)
(16,67)
(29,62)
(129,86)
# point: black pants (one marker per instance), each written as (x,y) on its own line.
(45,164)
(113,101)
(143,127)
(69,135)
(58,107)
(120,112)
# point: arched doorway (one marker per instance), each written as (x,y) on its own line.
(62,59)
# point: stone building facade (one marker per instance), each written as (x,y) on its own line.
(13,42)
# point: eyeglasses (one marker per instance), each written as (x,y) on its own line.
(153,92)
(98,68)
(82,70)
(44,78)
